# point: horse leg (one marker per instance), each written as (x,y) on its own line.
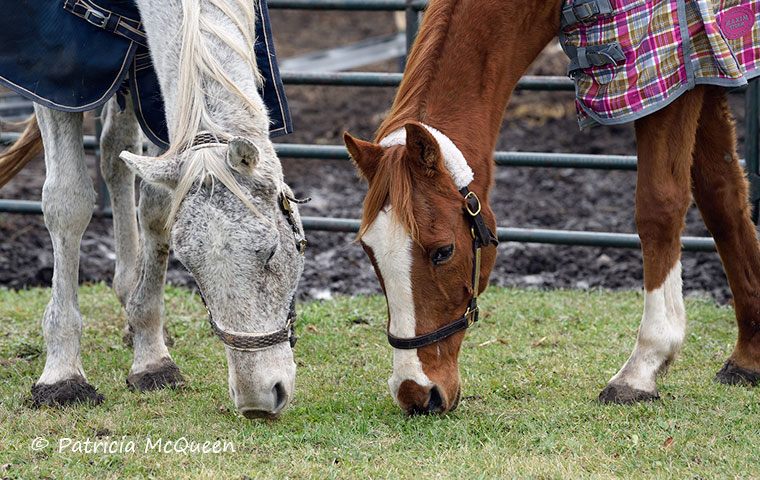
(153,367)
(121,132)
(721,193)
(67,202)
(665,145)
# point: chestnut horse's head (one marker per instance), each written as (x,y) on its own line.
(420,230)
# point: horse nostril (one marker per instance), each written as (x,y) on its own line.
(435,403)
(280,396)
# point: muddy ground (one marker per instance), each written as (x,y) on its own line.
(521,197)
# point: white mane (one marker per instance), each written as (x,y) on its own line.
(200,71)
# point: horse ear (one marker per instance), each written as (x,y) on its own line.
(242,154)
(161,171)
(366,155)
(422,146)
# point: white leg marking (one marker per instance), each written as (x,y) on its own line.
(661,334)
(392,249)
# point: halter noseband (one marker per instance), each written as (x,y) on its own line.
(482,236)
(250,342)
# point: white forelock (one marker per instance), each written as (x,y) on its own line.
(452,156)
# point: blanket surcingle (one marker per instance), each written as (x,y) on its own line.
(630,58)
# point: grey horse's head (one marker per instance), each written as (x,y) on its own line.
(230,231)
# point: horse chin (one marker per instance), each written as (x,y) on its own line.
(251,414)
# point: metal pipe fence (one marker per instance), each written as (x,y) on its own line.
(525,235)
(413,9)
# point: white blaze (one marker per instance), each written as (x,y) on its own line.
(392,249)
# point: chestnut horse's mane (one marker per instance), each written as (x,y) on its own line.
(420,68)
(392,182)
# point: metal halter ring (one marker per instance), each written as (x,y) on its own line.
(467,205)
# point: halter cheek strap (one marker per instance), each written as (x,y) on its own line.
(482,236)
(287,210)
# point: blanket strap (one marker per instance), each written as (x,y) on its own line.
(107,20)
(583,10)
(596,56)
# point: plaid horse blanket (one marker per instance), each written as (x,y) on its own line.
(630,58)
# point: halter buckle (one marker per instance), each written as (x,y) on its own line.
(472,316)
(467,204)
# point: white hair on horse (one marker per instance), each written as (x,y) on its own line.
(198,67)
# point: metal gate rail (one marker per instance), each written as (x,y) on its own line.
(512,159)
(525,235)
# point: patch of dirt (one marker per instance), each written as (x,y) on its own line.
(522,197)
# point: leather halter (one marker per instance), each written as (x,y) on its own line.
(482,236)
(251,342)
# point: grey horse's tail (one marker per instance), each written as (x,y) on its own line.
(28,146)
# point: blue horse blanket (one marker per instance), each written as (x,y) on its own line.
(73,55)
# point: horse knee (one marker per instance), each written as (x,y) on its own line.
(661,216)
(67,204)
(154,210)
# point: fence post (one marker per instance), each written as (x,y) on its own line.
(752,144)
(412,24)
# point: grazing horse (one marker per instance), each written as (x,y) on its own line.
(418,227)
(218,194)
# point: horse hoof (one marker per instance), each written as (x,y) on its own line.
(165,374)
(65,392)
(625,395)
(127,338)
(731,374)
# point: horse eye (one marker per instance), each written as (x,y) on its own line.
(442,254)
(269,259)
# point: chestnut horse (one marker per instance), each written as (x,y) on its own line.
(466,61)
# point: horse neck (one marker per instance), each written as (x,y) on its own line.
(162,20)
(466,61)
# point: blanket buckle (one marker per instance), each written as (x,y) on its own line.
(96,18)
(583,10)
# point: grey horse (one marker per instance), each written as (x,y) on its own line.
(218,196)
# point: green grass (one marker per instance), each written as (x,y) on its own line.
(531,371)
